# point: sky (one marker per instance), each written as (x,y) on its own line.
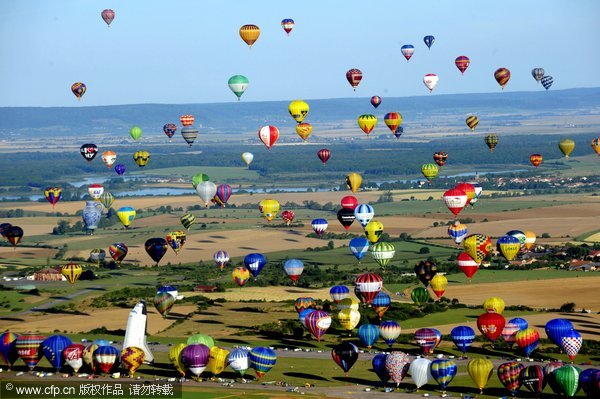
(180,51)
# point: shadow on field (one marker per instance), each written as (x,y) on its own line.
(208,321)
(173,316)
(143,284)
(203,313)
(248,248)
(234,341)
(353,380)
(291,239)
(219,237)
(305,376)
(211,241)
(293,342)
(64,298)
(11,319)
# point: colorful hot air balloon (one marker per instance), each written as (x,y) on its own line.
(247,157)
(396,364)
(189,134)
(8,350)
(109,158)
(480,370)
(367,122)
(532,378)
(88,151)
(118,252)
(468,189)
(249,34)
(53,347)
(156,248)
(28,347)
(163,302)
(53,195)
(369,285)
(304,303)
(78,89)
(199,178)
(95,191)
(571,343)
(195,358)
(354,76)
(368,334)
(126,215)
(364,213)
(538,74)
(529,239)
(547,81)
(558,328)
(425,271)
(141,158)
(389,331)
(221,258)
(262,360)
(392,120)
(426,338)
(478,246)
(457,231)
(107,199)
(105,357)
(359,247)
(508,246)
(383,252)
(420,296)
(407,51)
(455,200)
(443,371)
(287,24)
(462,63)
(375,101)
(187,120)
(381,303)
(596,145)
(373,231)
(288,217)
(298,110)
(438,284)
(472,122)
(348,318)
(317,323)
(135,132)
(431,80)
(293,268)
(319,226)
(566,146)
(187,220)
(491,325)
(353,182)
(429,41)
(268,209)
(536,159)
(238,85)
(463,337)
(238,360)
(255,262)
(73,356)
(440,158)
(430,171)
(71,271)
(268,135)
(240,275)
(108,16)
(508,374)
(324,154)
(304,130)
(224,193)
(120,169)
(527,340)
(339,292)
(176,240)
(132,358)
(502,76)
(170,129)
(206,191)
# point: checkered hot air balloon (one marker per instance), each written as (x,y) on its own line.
(478,246)
(571,343)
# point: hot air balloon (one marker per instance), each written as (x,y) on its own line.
(368,334)
(491,140)
(262,360)
(288,217)
(109,158)
(527,340)
(566,146)
(339,292)
(491,325)
(120,169)
(88,356)
(359,247)
(73,356)
(221,258)
(249,34)
(381,303)
(589,381)
(95,191)
(429,41)
(529,239)
(107,199)
(105,357)
(53,347)
(558,328)
(373,231)
(71,271)
(287,24)
(206,191)
(532,378)
(268,135)
(195,358)
(217,360)
(519,235)
(347,303)
(536,159)
(566,380)
(440,158)
(538,74)
(378,364)
(319,226)
(247,157)
(519,322)
(354,76)
(238,85)
(199,178)
(298,110)
(364,213)
(238,360)
(502,76)
(28,348)
(189,134)
(8,351)
(303,303)
(268,209)
(118,252)
(367,122)
(132,358)
(389,331)
(508,374)
(324,154)
(156,248)
(472,122)
(457,231)
(317,323)
(304,130)
(187,120)
(141,158)
(88,151)
(353,182)
(431,80)
(375,101)
(126,215)
(348,318)
(480,370)
(426,338)
(494,305)
(596,145)
(420,371)
(463,337)
(425,271)
(240,275)
(163,302)
(462,63)
(91,215)
(571,343)
(396,364)
(547,81)
(293,268)
(455,200)
(407,51)
(53,195)
(438,284)
(169,130)
(78,89)
(420,296)
(468,189)
(383,252)
(187,220)
(398,132)
(443,372)
(255,262)
(392,120)
(508,246)
(135,132)
(430,171)
(108,16)
(223,193)
(478,246)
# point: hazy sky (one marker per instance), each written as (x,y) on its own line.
(177,51)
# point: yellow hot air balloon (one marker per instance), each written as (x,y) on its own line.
(249,34)
(430,171)
(480,370)
(348,303)
(596,145)
(478,246)
(217,360)
(472,122)
(268,209)
(566,146)
(529,239)
(494,305)
(367,122)
(132,358)
(298,109)
(141,158)
(175,358)
(373,231)
(240,275)
(353,181)
(126,215)
(304,130)
(508,246)
(438,284)
(71,271)
(349,318)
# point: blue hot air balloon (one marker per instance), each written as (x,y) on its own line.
(558,328)
(359,247)
(339,292)
(101,342)
(364,213)
(379,367)
(368,334)
(443,371)
(587,378)
(302,315)
(262,360)
(463,337)
(255,262)
(8,349)
(547,82)
(319,226)
(429,41)
(52,348)
(120,169)
(519,322)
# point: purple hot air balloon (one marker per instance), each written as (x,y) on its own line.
(120,169)
(195,358)
(8,350)
(317,323)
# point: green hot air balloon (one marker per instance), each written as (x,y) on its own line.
(566,146)
(420,295)
(135,132)
(383,252)
(163,302)
(201,339)
(238,85)
(199,178)
(566,379)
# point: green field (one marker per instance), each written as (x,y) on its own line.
(216,174)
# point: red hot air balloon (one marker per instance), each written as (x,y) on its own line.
(108,15)
(349,201)
(288,217)
(468,189)
(455,200)
(268,135)
(375,101)
(502,76)
(462,63)
(187,120)
(467,265)
(369,285)
(491,325)
(392,120)
(324,154)
(354,77)
(536,159)
(440,158)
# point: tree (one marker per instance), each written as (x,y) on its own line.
(567,307)
(424,250)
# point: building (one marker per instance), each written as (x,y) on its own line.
(49,274)
(205,288)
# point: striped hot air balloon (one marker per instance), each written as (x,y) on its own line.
(105,357)
(339,292)
(317,323)
(443,371)
(8,350)
(502,76)
(369,285)
(393,120)
(368,334)
(187,220)
(53,347)
(508,374)
(262,360)
(472,122)
(426,338)
(383,252)
(293,268)
(389,331)
(163,302)
(463,337)
(354,76)
(221,258)
(381,303)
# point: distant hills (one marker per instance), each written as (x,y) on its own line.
(238,117)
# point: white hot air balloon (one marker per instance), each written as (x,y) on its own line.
(247,157)
(419,370)
(206,191)
(431,80)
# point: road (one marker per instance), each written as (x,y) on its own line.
(57,301)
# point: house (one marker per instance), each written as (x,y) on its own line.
(49,274)
(580,265)
(205,288)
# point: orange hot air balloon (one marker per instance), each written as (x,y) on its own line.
(502,76)
(187,120)
(249,34)
(469,189)
(304,130)
(596,145)
(536,159)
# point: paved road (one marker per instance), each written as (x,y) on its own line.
(57,301)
